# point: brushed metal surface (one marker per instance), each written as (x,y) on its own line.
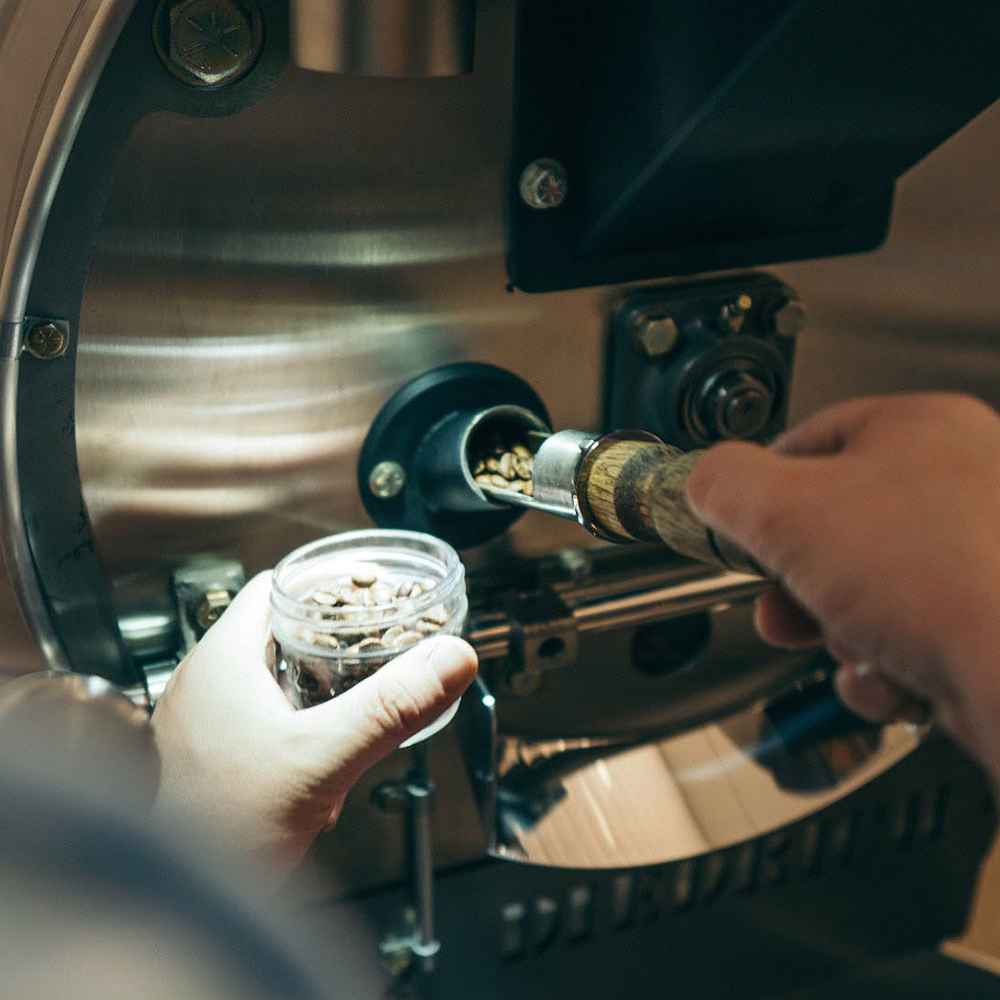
(395,38)
(265,282)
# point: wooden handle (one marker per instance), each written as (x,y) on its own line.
(636,490)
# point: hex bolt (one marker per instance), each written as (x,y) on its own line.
(733,315)
(655,336)
(789,319)
(387,480)
(212,41)
(544,184)
(396,956)
(46,341)
(396,949)
(211,608)
(575,563)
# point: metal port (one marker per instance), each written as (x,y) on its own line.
(424,430)
(508,423)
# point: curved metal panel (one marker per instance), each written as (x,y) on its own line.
(51,56)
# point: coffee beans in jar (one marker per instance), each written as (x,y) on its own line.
(363,612)
(345,606)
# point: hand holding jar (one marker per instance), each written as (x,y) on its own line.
(238,754)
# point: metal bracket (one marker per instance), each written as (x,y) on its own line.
(543,637)
(412,945)
(203,591)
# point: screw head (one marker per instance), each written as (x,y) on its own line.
(212,41)
(387,480)
(544,184)
(789,319)
(46,341)
(211,608)
(655,337)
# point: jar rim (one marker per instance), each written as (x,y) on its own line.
(294,609)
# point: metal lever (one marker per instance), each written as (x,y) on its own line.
(622,487)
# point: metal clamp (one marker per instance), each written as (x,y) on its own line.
(543,637)
(203,591)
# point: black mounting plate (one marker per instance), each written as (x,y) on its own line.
(654,394)
(704,136)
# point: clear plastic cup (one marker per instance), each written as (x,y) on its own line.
(333,628)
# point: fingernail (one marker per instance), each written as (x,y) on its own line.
(862,669)
(453,660)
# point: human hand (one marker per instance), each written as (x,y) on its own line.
(879,517)
(235,753)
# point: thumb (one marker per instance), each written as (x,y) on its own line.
(233,651)
(368,722)
(757,498)
(243,629)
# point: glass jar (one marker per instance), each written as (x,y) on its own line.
(342,607)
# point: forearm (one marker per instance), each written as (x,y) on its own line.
(81,729)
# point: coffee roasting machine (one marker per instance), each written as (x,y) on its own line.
(269,266)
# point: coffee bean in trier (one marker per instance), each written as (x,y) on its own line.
(505,466)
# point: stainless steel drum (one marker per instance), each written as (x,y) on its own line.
(265,276)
